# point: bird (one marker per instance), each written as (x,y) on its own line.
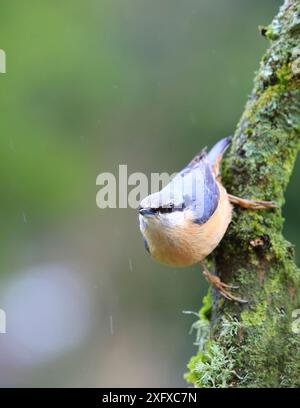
(185,221)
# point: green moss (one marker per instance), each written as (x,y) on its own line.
(205,311)
(215,367)
(271,33)
(192,376)
(284,75)
(255,317)
(216,370)
(274,284)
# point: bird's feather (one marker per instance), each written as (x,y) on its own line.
(198,179)
(197,186)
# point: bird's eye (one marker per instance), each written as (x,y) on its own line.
(166,210)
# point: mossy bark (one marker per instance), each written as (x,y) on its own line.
(254,344)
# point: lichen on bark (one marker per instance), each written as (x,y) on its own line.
(253,344)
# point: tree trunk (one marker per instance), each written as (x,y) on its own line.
(256,344)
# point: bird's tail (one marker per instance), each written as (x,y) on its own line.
(216,153)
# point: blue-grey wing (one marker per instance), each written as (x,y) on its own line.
(213,156)
(194,163)
(198,189)
(207,200)
(201,172)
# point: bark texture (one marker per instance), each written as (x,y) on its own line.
(256,344)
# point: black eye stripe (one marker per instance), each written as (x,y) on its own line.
(167,210)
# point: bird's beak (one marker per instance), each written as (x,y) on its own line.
(145,211)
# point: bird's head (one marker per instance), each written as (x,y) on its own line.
(183,200)
(159,210)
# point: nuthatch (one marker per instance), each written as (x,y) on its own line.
(185,221)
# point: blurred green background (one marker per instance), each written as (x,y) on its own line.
(92,84)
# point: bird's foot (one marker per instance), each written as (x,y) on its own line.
(221,286)
(251,204)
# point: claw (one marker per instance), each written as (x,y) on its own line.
(251,204)
(221,286)
(224,285)
(229,296)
